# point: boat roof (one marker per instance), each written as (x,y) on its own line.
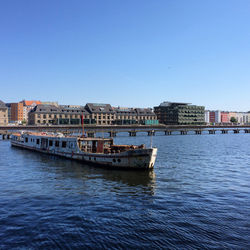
(60,135)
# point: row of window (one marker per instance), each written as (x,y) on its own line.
(98,117)
(52,143)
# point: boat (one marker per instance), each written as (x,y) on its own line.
(91,150)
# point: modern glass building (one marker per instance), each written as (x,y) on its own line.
(177,113)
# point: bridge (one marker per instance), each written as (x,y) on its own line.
(132,130)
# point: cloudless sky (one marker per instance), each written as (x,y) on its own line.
(134,53)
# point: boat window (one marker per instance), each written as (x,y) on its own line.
(26,139)
(57,143)
(50,143)
(37,141)
(64,144)
(119,160)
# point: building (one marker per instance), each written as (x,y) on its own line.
(207,113)
(215,116)
(93,113)
(16,112)
(128,116)
(242,118)
(3,114)
(224,117)
(101,114)
(177,113)
(27,107)
(50,103)
(58,115)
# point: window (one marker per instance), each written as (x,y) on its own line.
(44,116)
(26,139)
(50,143)
(37,141)
(64,144)
(57,143)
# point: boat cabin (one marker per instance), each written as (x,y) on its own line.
(95,145)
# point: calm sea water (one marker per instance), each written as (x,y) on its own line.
(198,196)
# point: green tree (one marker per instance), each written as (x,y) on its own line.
(233,119)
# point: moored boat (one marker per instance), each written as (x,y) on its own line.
(98,151)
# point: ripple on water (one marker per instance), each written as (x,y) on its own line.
(198,196)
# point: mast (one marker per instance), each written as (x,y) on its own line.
(82,121)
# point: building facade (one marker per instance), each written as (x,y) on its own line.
(27,107)
(128,116)
(174,113)
(3,114)
(58,115)
(92,113)
(16,112)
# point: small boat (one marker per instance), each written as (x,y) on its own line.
(94,150)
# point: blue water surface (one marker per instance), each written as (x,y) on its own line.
(198,196)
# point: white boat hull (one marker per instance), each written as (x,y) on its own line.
(131,159)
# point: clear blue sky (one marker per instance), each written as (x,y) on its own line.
(127,53)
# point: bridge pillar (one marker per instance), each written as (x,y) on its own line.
(90,134)
(3,136)
(198,132)
(132,133)
(112,134)
(151,132)
(223,131)
(183,132)
(211,132)
(8,136)
(168,132)
(236,131)
(247,130)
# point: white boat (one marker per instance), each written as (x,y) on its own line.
(97,151)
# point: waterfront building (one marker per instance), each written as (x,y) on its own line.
(207,120)
(242,118)
(177,113)
(27,107)
(101,114)
(215,117)
(224,117)
(93,113)
(3,114)
(16,112)
(59,115)
(143,116)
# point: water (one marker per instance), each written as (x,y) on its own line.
(198,196)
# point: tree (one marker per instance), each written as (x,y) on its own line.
(233,119)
